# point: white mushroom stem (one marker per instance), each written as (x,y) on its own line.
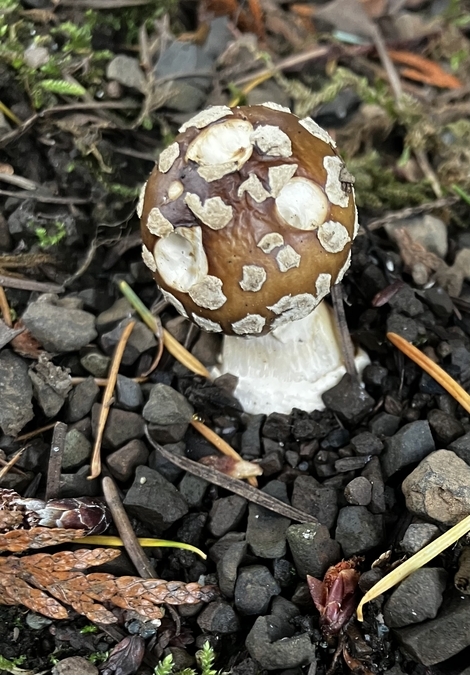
(291,367)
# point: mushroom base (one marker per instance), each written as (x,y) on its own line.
(289,368)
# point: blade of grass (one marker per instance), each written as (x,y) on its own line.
(147,542)
(415,562)
(173,346)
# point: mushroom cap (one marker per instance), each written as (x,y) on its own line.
(248,218)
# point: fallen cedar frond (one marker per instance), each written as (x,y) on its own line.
(41,580)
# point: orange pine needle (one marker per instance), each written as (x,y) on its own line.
(424,70)
(446,381)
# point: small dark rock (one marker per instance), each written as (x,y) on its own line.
(16,408)
(168,434)
(167,469)
(254,588)
(251,437)
(441,638)
(94,361)
(445,427)
(140,340)
(81,399)
(417,598)
(128,394)
(225,514)
(406,301)
(277,427)
(367,444)
(74,665)
(384,425)
(348,400)
(346,464)
(439,301)
(358,492)
(408,446)
(123,462)
(268,645)
(122,426)
(111,317)
(373,376)
(272,462)
(461,447)
(417,536)
(227,567)
(358,530)
(166,406)
(373,473)
(313,498)
(336,439)
(78,485)
(154,500)
(193,489)
(283,572)
(312,549)
(59,329)
(403,326)
(219,617)
(77,450)
(266,530)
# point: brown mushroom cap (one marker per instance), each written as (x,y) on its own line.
(248,218)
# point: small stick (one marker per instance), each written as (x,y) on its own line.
(55,461)
(5,308)
(10,463)
(103,381)
(95,468)
(124,527)
(343,330)
(36,432)
(446,381)
(220,444)
(29,285)
(234,485)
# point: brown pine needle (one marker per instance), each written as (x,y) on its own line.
(220,444)
(446,381)
(95,469)
(415,562)
(36,432)
(10,463)
(182,355)
(5,308)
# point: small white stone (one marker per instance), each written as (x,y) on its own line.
(214,212)
(323,285)
(278,176)
(140,202)
(208,293)
(317,131)
(249,325)
(275,106)
(272,141)
(253,278)
(168,157)
(157,223)
(205,117)
(333,189)
(270,241)
(287,258)
(302,204)
(255,189)
(148,259)
(344,269)
(169,297)
(333,236)
(206,324)
(213,172)
(175,190)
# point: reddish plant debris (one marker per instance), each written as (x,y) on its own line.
(39,581)
(86,513)
(125,657)
(335,596)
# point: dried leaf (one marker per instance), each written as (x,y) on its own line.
(32,580)
(126,657)
(25,344)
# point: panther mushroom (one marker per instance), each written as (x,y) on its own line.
(247,220)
